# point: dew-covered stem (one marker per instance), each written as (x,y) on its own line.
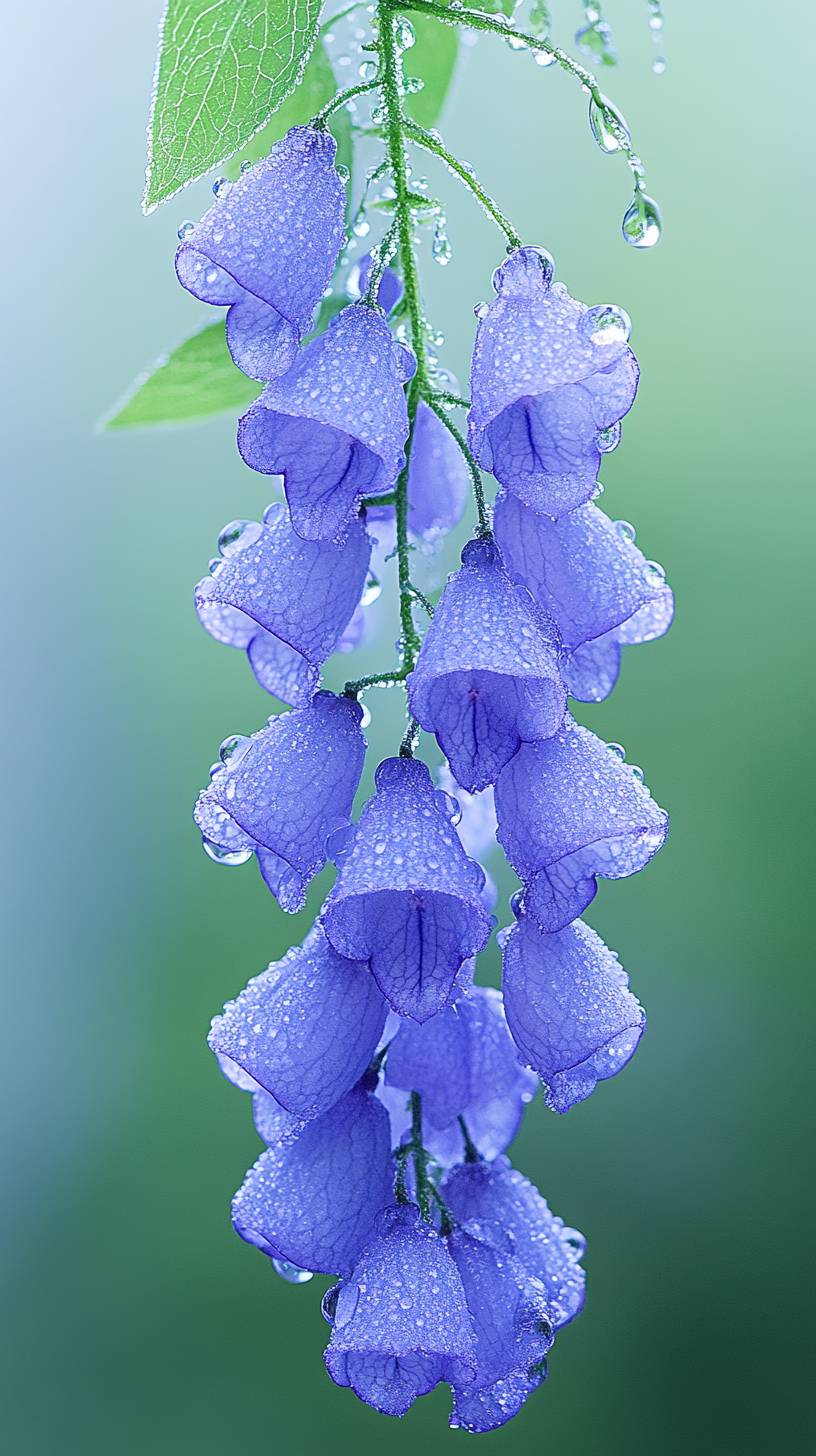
(429,143)
(341,99)
(434,403)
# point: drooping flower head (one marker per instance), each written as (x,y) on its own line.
(488,676)
(587,573)
(549,377)
(407,896)
(267,249)
(313,1199)
(464,1064)
(513,1214)
(286,601)
(306,1028)
(400,1323)
(512,1325)
(283,791)
(569,809)
(334,426)
(569,1008)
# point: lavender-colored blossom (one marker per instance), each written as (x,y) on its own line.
(438,481)
(313,1199)
(407,897)
(306,1028)
(267,249)
(463,1063)
(487,678)
(400,1322)
(569,1008)
(548,377)
(569,809)
(282,792)
(510,1208)
(513,1329)
(284,600)
(335,425)
(587,573)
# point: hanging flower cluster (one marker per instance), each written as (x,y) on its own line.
(387,1084)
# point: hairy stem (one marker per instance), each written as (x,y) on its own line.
(341,99)
(475,474)
(429,143)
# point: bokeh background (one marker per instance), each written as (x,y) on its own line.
(134,1320)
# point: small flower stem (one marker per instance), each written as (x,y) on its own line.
(373,680)
(475,20)
(451,399)
(423,139)
(341,99)
(420,1157)
(379,500)
(422,599)
(471,1151)
(380,258)
(475,474)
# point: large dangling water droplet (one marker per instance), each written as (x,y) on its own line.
(404,34)
(642,223)
(221,855)
(441,249)
(605,324)
(292,1273)
(234,748)
(373,589)
(237,535)
(185,230)
(608,125)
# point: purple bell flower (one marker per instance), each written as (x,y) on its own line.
(400,1324)
(549,377)
(587,573)
(513,1328)
(305,1029)
(335,425)
(407,897)
(513,1215)
(569,1008)
(464,1063)
(487,678)
(569,809)
(267,249)
(312,1200)
(280,793)
(438,481)
(284,600)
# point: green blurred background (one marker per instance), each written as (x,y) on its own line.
(135,1320)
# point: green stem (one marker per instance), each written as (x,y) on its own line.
(342,97)
(429,143)
(475,20)
(373,680)
(420,1156)
(380,258)
(471,1151)
(475,474)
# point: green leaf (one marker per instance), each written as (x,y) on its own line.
(316,88)
(224,67)
(197,379)
(433,58)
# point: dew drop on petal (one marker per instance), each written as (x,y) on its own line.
(292,1273)
(185,230)
(605,324)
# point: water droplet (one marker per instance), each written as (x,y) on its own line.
(368,70)
(642,224)
(659,65)
(185,230)
(215,564)
(274,513)
(597,40)
(608,125)
(361,228)
(365,721)
(441,249)
(609,439)
(412,85)
(237,535)
(517,903)
(221,855)
(618,750)
(637,772)
(292,1273)
(481,310)
(221,187)
(654,573)
(544,58)
(606,324)
(343,172)
(373,589)
(328,1304)
(404,34)
(626,530)
(234,748)
(246,166)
